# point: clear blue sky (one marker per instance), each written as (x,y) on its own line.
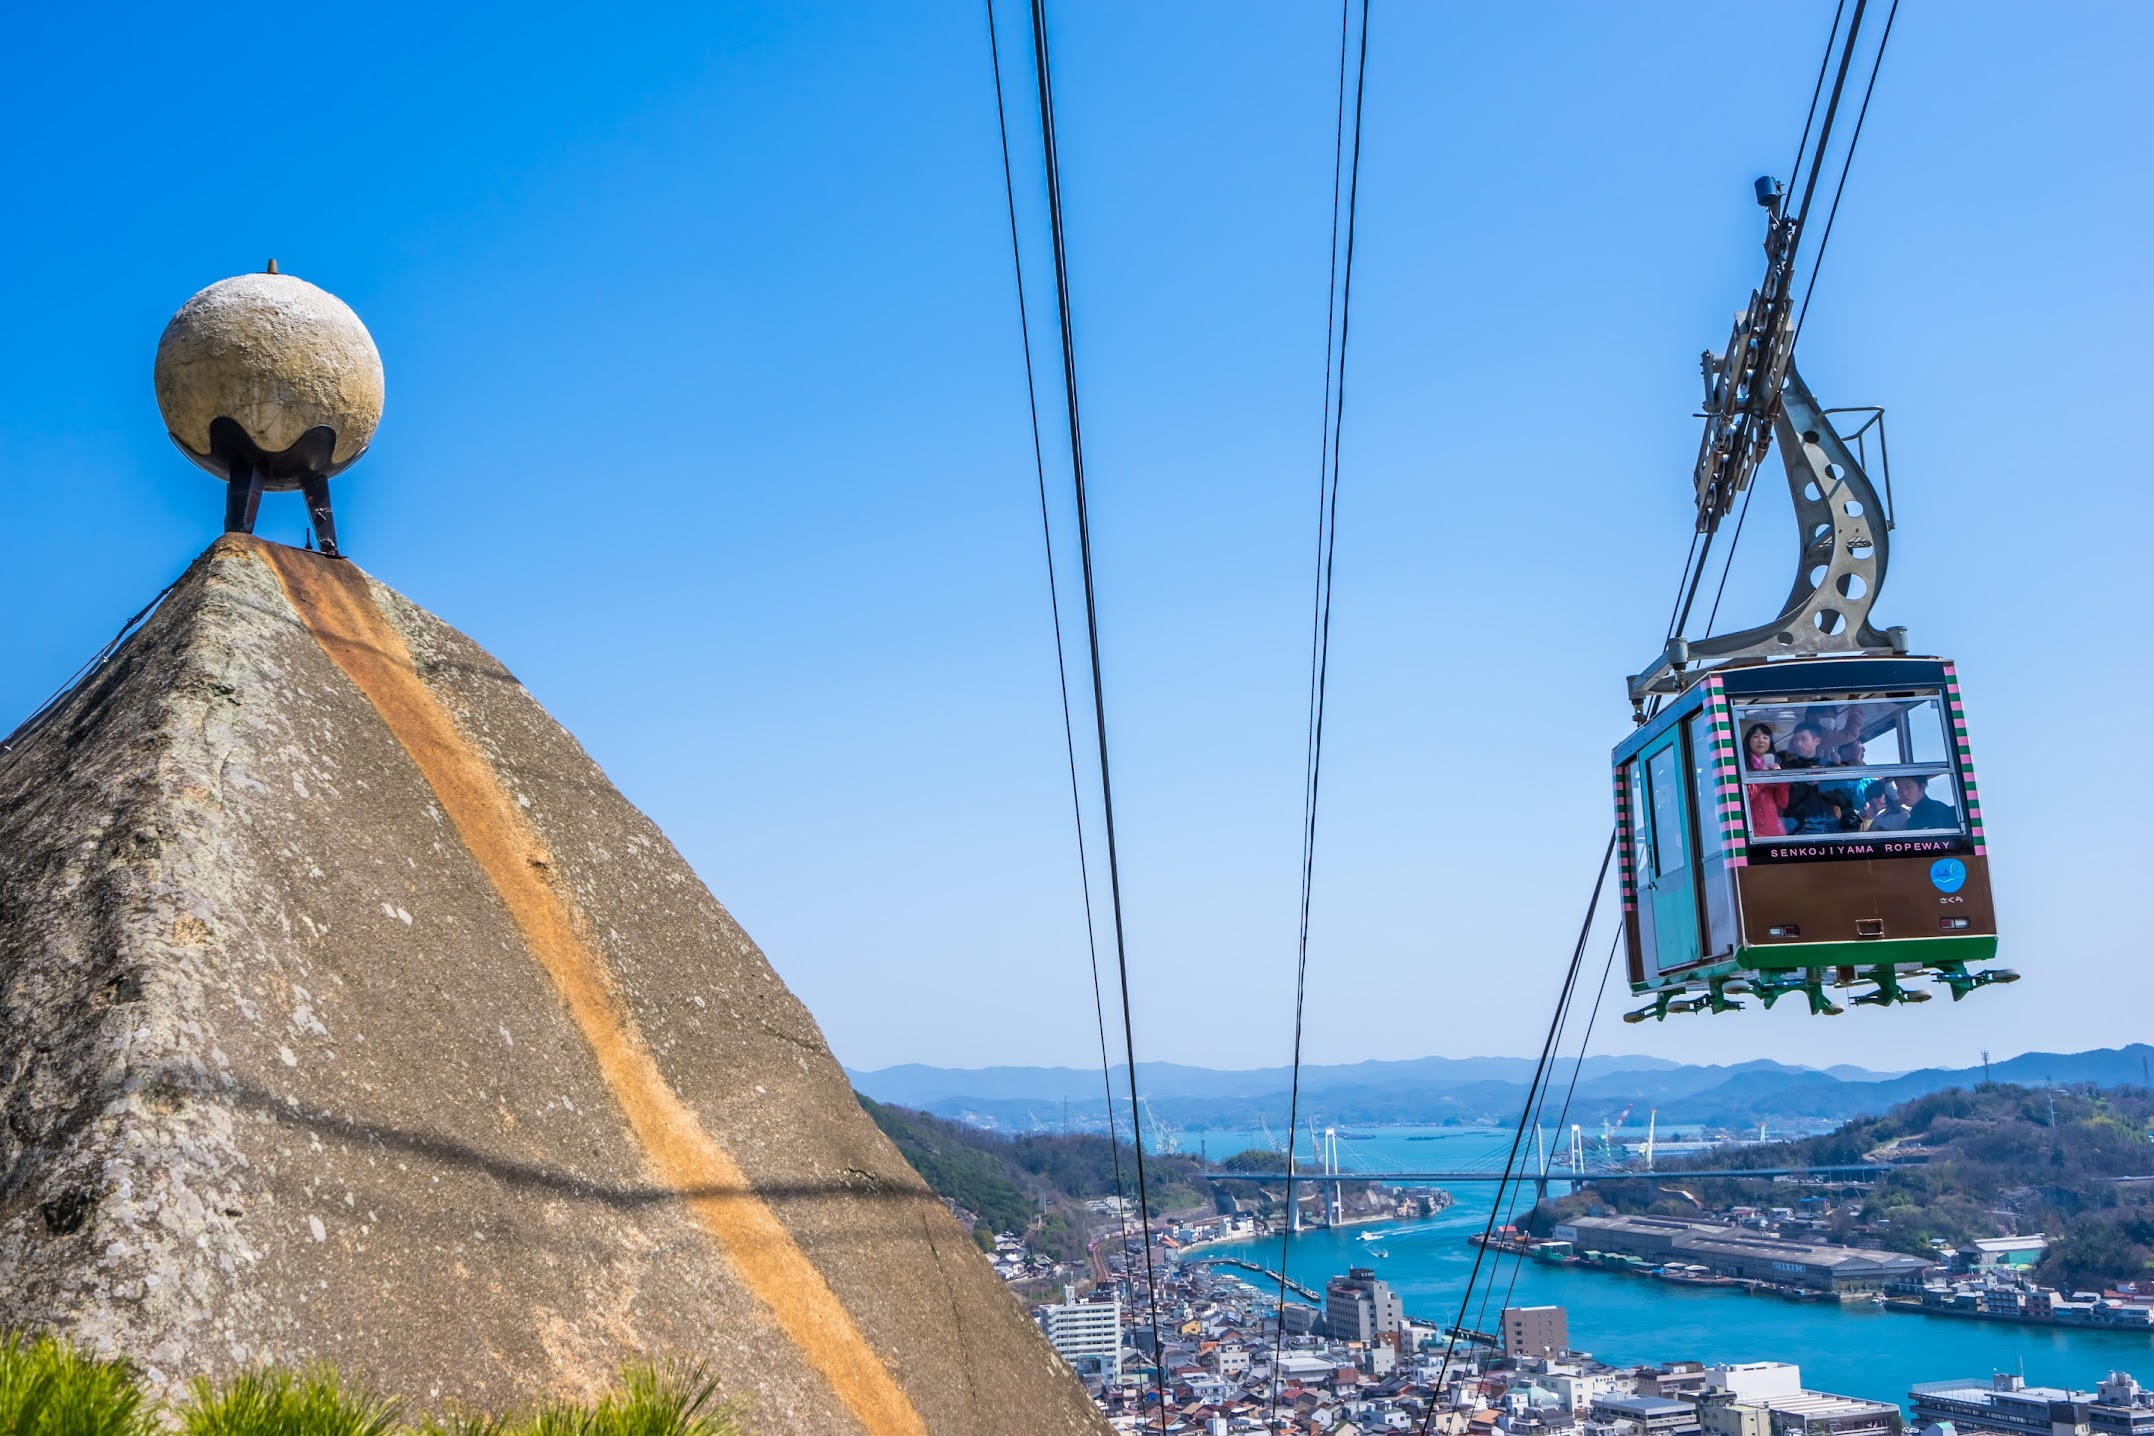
(706,415)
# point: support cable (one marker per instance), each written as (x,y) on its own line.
(1540,1107)
(1824,63)
(1338,317)
(1824,237)
(1518,1259)
(1694,572)
(1694,568)
(1540,1073)
(1054,604)
(1824,134)
(1099,695)
(23,730)
(1877,63)
(1742,516)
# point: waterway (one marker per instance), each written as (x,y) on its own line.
(1853,1349)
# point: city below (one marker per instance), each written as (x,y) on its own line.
(1220,1348)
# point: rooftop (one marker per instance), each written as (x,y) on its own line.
(1644,1405)
(1716,1237)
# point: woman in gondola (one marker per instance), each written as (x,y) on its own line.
(1768,801)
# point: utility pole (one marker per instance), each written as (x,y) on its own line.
(1985,1067)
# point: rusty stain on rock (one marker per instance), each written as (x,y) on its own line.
(493,1228)
(335,602)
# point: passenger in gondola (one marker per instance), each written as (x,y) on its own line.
(1813,807)
(1767,800)
(1910,808)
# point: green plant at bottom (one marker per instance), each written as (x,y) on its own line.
(50,1387)
(271,1401)
(652,1399)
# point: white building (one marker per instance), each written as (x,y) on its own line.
(1766,1398)
(1575,1392)
(1087,1334)
(1752,1380)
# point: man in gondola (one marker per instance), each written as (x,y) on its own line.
(1811,807)
(1910,808)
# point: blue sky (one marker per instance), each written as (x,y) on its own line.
(706,415)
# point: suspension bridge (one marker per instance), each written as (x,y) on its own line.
(1552,1174)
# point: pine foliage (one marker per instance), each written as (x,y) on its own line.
(52,1387)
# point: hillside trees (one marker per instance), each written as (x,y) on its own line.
(1037,1182)
(1959,1165)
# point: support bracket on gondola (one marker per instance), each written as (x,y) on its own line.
(1843,547)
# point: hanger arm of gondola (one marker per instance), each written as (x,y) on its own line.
(1842,549)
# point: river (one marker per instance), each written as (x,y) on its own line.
(1855,1350)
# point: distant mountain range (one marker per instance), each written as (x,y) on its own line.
(1464,1090)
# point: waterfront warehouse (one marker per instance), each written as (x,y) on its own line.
(1744,1254)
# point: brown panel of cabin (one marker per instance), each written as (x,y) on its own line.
(1911,905)
(1827,899)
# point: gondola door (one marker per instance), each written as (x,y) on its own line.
(1670,882)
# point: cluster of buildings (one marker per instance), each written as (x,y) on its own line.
(1991,1278)
(2007,1406)
(1349,1364)
(2012,1296)
(1354,1363)
(1223,1358)
(1015,1263)
(1358,1364)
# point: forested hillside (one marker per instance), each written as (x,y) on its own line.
(1996,1160)
(1035,1184)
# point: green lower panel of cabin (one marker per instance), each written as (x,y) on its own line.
(1870,952)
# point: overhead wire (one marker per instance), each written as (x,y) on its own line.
(1054,604)
(1694,569)
(1847,163)
(1532,1118)
(1817,90)
(1824,237)
(23,730)
(1540,1073)
(1735,543)
(1694,565)
(1338,317)
(1044,72)
(1518,1259)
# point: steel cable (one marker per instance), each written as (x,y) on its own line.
(1338,316)
(1540,1072)
(23,730)
(1054,604)
(1518,1259)
(1847,163)
(1044,72)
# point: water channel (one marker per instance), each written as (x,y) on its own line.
(1856,1350)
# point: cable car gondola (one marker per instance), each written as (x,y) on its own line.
(1797,808)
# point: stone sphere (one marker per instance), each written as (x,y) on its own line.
(268,370)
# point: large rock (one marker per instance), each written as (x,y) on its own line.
(347,1012)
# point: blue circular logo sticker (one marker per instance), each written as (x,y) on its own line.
(1948,875)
